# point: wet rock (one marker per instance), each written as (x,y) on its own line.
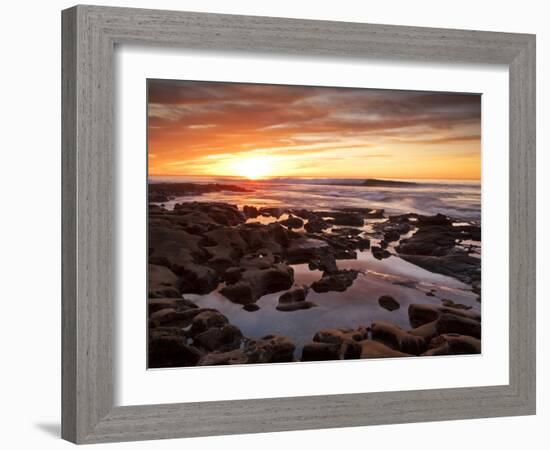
(261,259)
(226,338)
(232,275)
(179,304)
(305,250)
(340,335)
(228,247)
(452,323)
(380,253)
(338,281)
(391,235)
(375,349)
(164,316)
(251,307)
(168,348)
(449,303)
(162,282)
(197,279)
(292,222)
(453,344)
(255,283)
(270,349)
(251,212)
(219,213)
(426,331)
(273,237)
(396,338)
(324,262)
(207,319)
(345,218)
(347,340)
(273,212)
(420,314)
(223,358)
(320,351)
(388,302)
(316,225)
(289,307)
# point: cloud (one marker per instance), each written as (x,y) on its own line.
(192,120)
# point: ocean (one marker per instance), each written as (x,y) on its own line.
(460,199)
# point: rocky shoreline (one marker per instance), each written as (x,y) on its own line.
(247,252)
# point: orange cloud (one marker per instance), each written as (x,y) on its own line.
(206,128)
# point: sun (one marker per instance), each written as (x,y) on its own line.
(253,167)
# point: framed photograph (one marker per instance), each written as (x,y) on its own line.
(279,224)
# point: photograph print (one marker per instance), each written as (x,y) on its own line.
(289,224)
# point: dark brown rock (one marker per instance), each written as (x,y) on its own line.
(375,349)
(206,320)
(398,339)
(168,348)
(162,282)
(292,222)
(320,351)
(338,281)
(270,349)
(226,338)
(388,302)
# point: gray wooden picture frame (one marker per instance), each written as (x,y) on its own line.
(90,34)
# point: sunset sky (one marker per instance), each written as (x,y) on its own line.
(261,131)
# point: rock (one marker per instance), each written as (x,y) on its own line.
(294,300)
(325,263)
(255,283)
(396,338)
(207,319)
(240,292)
(273,212)
(430,294)
(261,259)
(320,351)
(346,218)
(453,344)
(338,281)
(452,323)
(226,338)
(232,275)
(163,316)
(292,222)
(250,212)
(420,314)
(391,235)
(251,307)
(316,225)
(388,302)
(167,348)
(223,358)
(273,237)
(296,295)
(435,246)
(270,349)
(198,279)
(449,303)
(225,246)
(347,340)
(426,331)
(380,253)
(179,304)
(305,250)
(162,282)
(289,307)
(374,349)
